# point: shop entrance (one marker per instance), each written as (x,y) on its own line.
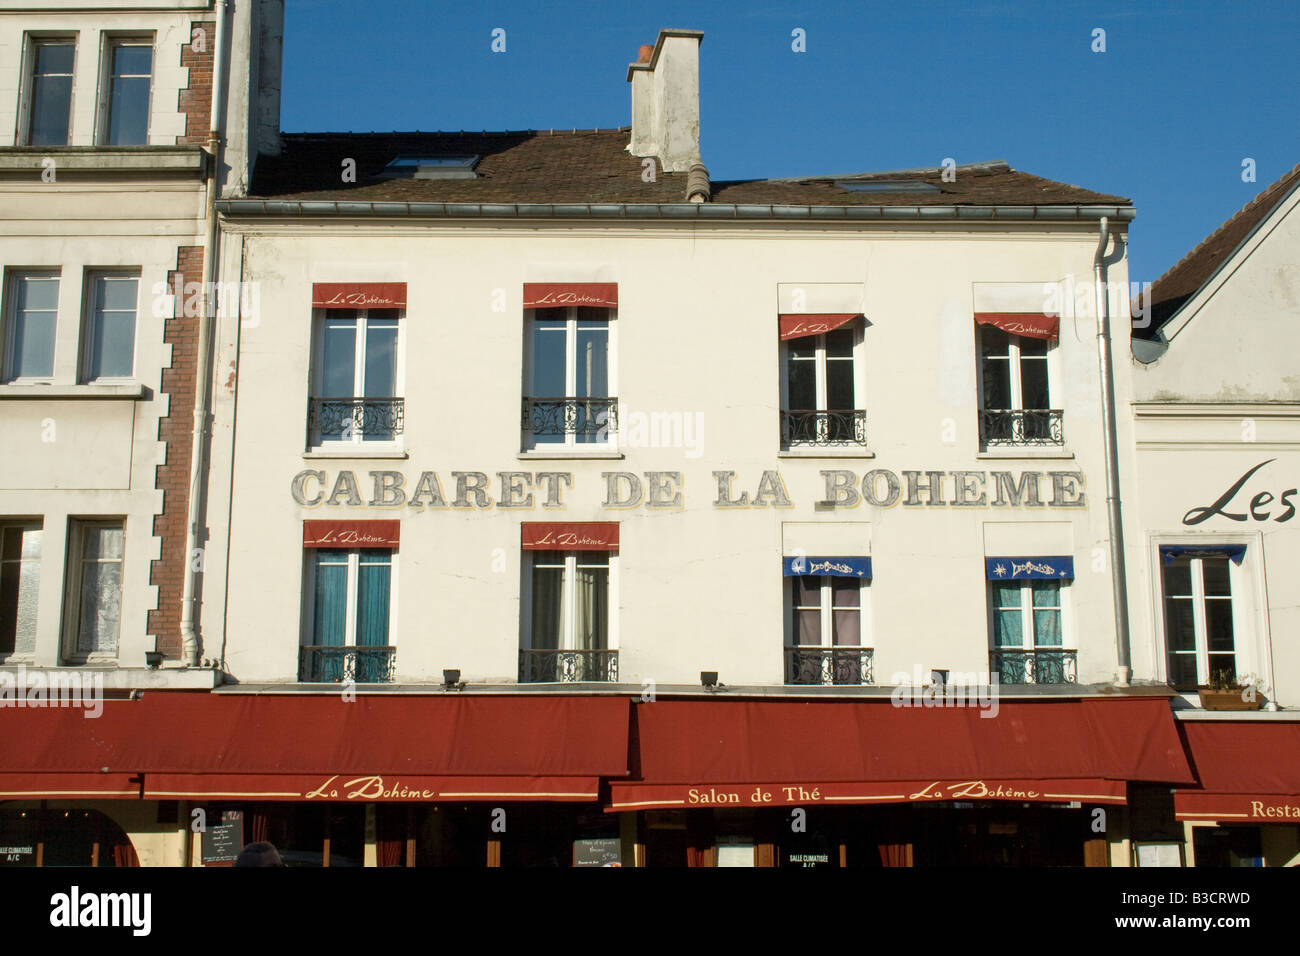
(1030,835)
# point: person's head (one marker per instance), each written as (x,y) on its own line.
(259,854)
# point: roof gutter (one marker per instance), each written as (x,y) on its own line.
(641,211)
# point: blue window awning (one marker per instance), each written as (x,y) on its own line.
(1033,568)
(835,567)
(1168,552)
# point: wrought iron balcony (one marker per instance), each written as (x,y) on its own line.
(1040,666)
(362,665)
(550,666)
(826,428)
(590,419)
(1029,426)
(346,418)
(829,665)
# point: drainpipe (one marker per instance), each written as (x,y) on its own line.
(189,599)
(1119,575)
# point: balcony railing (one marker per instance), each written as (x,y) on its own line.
(1038,666)
(588,419)
(828,428)
(550,666)
(829,665)
(362,665)
(349,418)
(1030,426)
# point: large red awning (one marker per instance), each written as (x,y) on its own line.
(199,745)
(1249,771)
(775,753)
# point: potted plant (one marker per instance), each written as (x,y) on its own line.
(1227,692)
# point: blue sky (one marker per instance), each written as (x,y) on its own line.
(1184,92)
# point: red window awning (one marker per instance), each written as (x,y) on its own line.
(351,534)
(549,295)
(799,326)
(570,535)
(194,745)
(1032,325)
(1249,771)
(776,753)
(359,295)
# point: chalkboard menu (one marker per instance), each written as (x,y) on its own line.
(223,841)
(598,851)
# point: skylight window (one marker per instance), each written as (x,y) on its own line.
(887,186)
(432,167)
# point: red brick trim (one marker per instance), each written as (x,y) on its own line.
(175,431)
(196,99)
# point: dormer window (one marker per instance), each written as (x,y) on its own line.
(431,167)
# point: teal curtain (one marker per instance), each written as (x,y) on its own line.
(1047,613)
(374,578)
(1007,630)
(331,598)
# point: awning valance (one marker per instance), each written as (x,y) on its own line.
(549,295)
(1038,568)
(570,535)
(800,326)
(1249,771)
(1032,325)
(201,745)
(359,295)
(1171,552)
(839,567)
(702,753)
(351,534)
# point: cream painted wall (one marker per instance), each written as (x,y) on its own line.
(699,587)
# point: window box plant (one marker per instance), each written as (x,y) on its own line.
(1225,692)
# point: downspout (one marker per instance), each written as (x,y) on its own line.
(1119,575)
(202,376)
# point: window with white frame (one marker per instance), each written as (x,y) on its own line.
(569,617)
(826,629)
(357,370)
(94,616)
(569,381)
(823,390)
(348,626)
(125,87)
(1199,633)
(47,107)
(20,578)
(1018,390)
(109,340)
(1028,632)
(30,318)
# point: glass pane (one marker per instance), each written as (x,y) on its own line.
(54,58)
(1182,671)
(1046,593)
(129,109)
(373,588)
(997,383)
(1006,628)
(1033,383)
(52,94)
(132,60)
(993,341)
(29,583)
(1035,348)
(1178,579)
(1006,594)
(1216,577)
(839,343)
(103,543)
(33,332)
(839,385)
(11,544)
(591,615)
(1223,669)
(331,599)
(1047,628)
(1180,627)
(112,347)
(548,607)
(845,592)
(381,359)
(101,606)
(807,591)
(801,373)
(548,359)
(808,626)
(1218,625)
(592,358)
(338,376)
(846,628)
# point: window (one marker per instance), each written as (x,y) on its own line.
(826,630)
(349,622)
(33,303)
(569,379)
(124,111)
(823,389)
(357,371)
(20,578)
(1028,637)
(1199,631)
(1017,389)
(569,622)
(95,579)
(110,328)
(49,108)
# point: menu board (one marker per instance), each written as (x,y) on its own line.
(222,842)
(598,851)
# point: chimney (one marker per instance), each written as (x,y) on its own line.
(666,100)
